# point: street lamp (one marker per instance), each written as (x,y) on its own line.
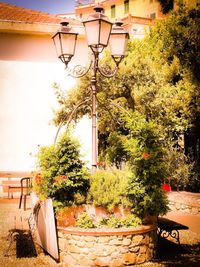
(100,33)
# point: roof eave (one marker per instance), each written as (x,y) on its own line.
(26,27)
(34,28)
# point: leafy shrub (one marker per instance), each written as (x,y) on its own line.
(84,221)
(63,176)
(108,188)
(179,168)
(131,221)
(146,151)
(116,222)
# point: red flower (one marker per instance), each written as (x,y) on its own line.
(100,163)
(38,178)
(145,155)
(60,178)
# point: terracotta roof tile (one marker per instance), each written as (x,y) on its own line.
(18,14)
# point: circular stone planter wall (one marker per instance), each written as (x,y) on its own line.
(106,247)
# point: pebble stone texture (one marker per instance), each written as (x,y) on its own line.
(184,202)
(108,250)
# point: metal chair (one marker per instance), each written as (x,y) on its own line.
(25,184)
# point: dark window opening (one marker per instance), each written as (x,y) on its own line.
(113,10)
(126,6)
(153,15)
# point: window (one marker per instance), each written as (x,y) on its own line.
(113,11)
(153,15)
(126,6)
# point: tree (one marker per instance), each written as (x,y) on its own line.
(179,36)
(158,78)
(63,175)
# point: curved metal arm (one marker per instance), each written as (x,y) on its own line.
(78,71)
(107,71)
(70,117)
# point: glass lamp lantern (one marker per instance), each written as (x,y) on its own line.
(98,29)
(118,41)
(65,42)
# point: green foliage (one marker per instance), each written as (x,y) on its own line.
(156,79)
(108,188)
(138,188)
(116,222)
(130,220)
(145,147)
(115,152)
(179,35)
(179,167)
(157,86)
(84,221)
(63,175)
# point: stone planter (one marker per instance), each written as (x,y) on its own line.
(69,216)
(103,247)
(106,247)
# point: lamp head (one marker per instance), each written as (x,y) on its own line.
(65,42)
(118,41)
(98,29)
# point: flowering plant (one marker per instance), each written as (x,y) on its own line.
(59,179)
(145,155)
(63,176)
(145,149)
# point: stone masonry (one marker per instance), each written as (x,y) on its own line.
(83,249)
(184,202)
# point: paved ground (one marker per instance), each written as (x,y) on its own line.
(22,252)
(169,253)
(192,221)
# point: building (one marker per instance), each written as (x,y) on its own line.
(137,15)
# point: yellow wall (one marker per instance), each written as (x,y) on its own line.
(140,8)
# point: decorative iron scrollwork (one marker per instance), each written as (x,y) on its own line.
(78,71)
(173,233)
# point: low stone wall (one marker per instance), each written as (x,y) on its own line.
(184,202)
(113,248)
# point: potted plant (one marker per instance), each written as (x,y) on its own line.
(62,175)
(111,202)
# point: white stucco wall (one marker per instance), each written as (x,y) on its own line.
(28,68)
(26,109)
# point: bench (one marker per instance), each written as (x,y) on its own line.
(11,186)
(171,228)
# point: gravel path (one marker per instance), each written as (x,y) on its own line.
(169,253)
(9,215)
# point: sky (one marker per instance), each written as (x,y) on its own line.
(49,6)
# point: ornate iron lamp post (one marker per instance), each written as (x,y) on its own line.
(100,33)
